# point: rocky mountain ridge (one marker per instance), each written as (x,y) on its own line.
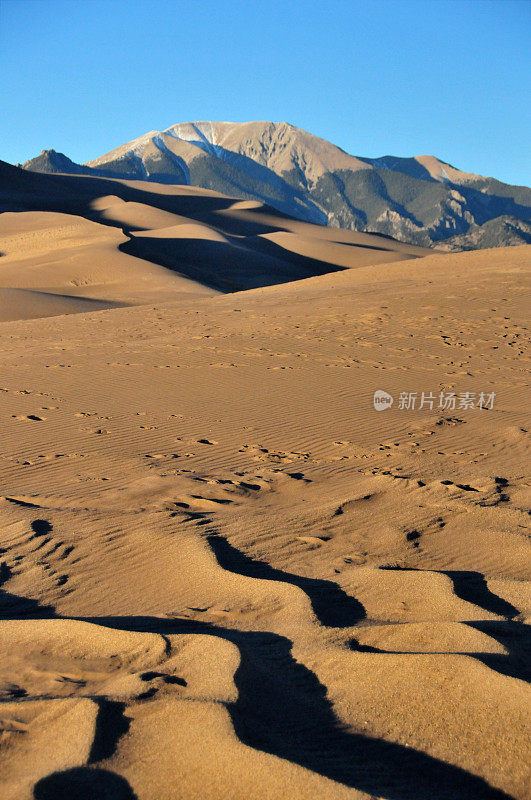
(420,200)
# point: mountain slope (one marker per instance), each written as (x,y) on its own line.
(421,200)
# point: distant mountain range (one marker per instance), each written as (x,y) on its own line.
(420,200)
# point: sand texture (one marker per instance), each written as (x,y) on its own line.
(223,574)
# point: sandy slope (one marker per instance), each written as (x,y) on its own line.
(223,573)
(133,242)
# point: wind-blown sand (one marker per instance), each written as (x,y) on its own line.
(224,574)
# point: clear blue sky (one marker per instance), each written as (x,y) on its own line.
(376,77)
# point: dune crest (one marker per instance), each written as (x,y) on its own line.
(133,242)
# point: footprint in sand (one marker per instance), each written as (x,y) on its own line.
(260,453)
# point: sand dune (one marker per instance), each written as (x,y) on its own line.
(135,242)
(58,254)
(28,304)
(223,573)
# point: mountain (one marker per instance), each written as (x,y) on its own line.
(52,162)
(420,200)
(504,231)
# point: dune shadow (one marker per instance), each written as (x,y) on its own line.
(83,783)
(226,266)
(14,606)
(288,714)
(111,725)
(271,247)
(243,263)
(514,664)
(516,638)
(332,606)
(471,587)
(283,709)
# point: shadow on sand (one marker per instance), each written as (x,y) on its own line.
(332,606)
(282,709)
(83,783)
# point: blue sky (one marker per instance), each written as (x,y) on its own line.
(378,77)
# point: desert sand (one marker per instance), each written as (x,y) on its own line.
(223,573)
